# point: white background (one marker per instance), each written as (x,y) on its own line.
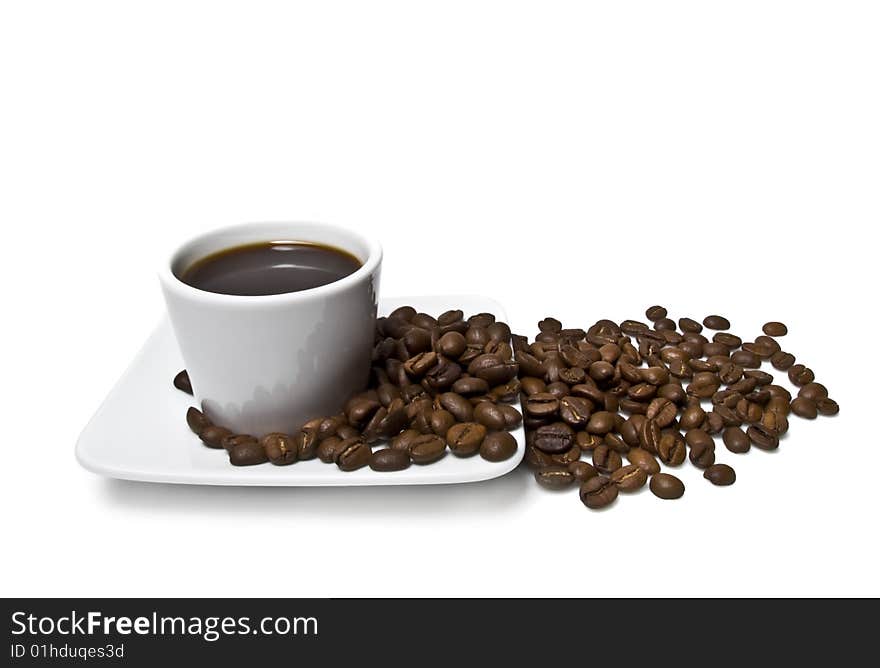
(578,159)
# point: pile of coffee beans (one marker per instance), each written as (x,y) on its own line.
(631,397)
(436,385)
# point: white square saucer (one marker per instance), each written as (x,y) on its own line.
(163,449)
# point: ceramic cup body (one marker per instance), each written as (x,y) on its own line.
(269,363)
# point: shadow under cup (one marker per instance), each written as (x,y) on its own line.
(269,363)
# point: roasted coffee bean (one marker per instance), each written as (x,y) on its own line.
(666,486)
(464,439)
(460,408)
(559,389)
(782,360)
(598,492)
(674,392)
(601,371)
(549,325)
(509,391)
(632,327)
(512,417)
(417,340)
(778,391)
(762,351)
(762,437)
(451,345)
(775,329)
(629,478)
(730,373)
(775,421)
(234,440)
(279,448)
(535,459)
(601,422)
(714,423)
(644,460)
(664,324)
(572,376)
(736,440)
(813,391)
(353,454)
(498,446)
(307,443)
(443,374)
(441,422)
(587,442)
(555,477)
(702,455)
(615,442)
(716,322)
(714,349)
(689,325)
(606,460)
(213,436)
(654,375)
(655,313)
(703,385)
(404,313)
(196,420)
(573,454)
(649,436)
(418,365)
(746,359)
(531,386)
(720,474)
(360,410)
(181,382)
(582,471)
(629,431)
(476,336)
(247,451)
(805,408)
(554,438)
(749,411)
(692,417)
(403,441)
(800,375)
(768,343)
(530,365)
(575,411)
(732,341)
(469,386)
(329,448)
(662,411)
(493,369)
(827,407)
(490,415)
(389,459)
(427,448)
(671,448)
(692,348)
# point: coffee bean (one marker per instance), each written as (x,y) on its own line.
(598,492)
(451,345)
(664,324)
(490,415)
(460,408)
(813,391)
(181,382)
(575,411)
(782,360)
(736,440)
(573,454)
(649,436)
(632,327)
(666,486)
(388,459)
(535,459)
(805,408)
(582,470)
(654,313)
(418,365)
(601,422)
(644,460)
(746,359)
(662,411)
(606,460)
(464,439)
(555,477)
(689,325)
(587,442)
(775,421)
(280,448)
(498,446)
(671,448)
(427,448)
(702,454)
(196,420)
(827,407)
(716,322)
(731,341)
(329,448)
(213,436)
(554,438)
(307,442)
(360,409)
(549,325)
(703,385)
(512,417)
(800,375)
(353,454)
(629,478)
(775,329)
(417,340)
(714,423)
(762,437)
(541,404)
(720,474)
(245,451)
(692,417)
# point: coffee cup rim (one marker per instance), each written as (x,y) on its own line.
(170,280)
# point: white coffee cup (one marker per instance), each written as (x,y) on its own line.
(259,364)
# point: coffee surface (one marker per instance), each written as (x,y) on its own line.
(269,268)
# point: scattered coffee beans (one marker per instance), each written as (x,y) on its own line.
(629,397)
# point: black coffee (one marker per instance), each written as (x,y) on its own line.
(270,268)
